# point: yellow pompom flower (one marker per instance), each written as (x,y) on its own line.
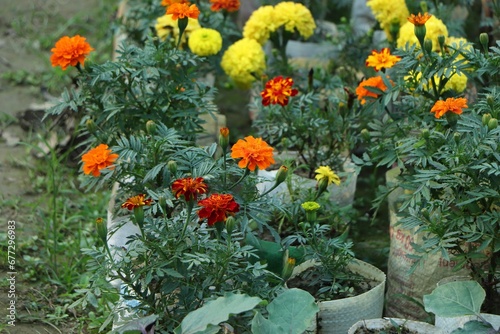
(166,27)
(294,17)
(388,13)
(243,61)
(260,24)
(327,173)
(434,27)
(205,42)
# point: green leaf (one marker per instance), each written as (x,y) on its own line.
(216,311)
(261,325)
(136,325)
(475,327)
(455,299)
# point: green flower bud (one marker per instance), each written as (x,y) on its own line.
(365,134)
(322,185)
(426,134)
(491,101)
(172,167)
(441,40)
(486,118)
(150,127)
(224,138)
(281,175)
(139,216)
(230,224)
(428,45)
(456,137)
(493,124)
(485,40)
(91,127)
(288,266)
(102,230)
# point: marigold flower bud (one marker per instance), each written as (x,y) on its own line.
(456,137)
(150,127)
(322,185)
(425,133)
(441,40)
(485,40)
(281,175)
(420,32)
(365,134)
(102,230)
(288,266)
(230,224)
(172,167)
(493,124)
(428,45)
(139,216)
(486,118)
(491,101)
(91,127)
(224,138)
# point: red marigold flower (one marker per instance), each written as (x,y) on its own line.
(382,59)
(375,82)
(70,51)
(167,3)
(419,20)
(229,5)
(189,187)
(98,158)
(278,91)
(183,10)
(136,201)
(217,207)
(254,152)
(451,104)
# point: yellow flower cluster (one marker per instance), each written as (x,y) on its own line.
(166,27)
(244,60)
(434,28)
(205,42)
(289,15)
(388,13)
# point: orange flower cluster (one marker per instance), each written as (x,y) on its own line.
(183,10)
(277,91)
(167,3)
(373,82)
(217,208)
(382,59)
(97,159)
(419,20)
(254,152)
(70,51)
(136,201)
(451,104)
(229,5)
(189,187)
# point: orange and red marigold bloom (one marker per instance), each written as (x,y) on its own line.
(136,201)
(183,10)
(229,5)
(382,59)
(254,152)
(419,20)
(70,51)
(167,3)
(189,187)
(451,104)
(374,82)
(217,208)
(97,159)
(277,91)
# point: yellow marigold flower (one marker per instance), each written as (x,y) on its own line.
(451,104)
(388,13)
(382,59)
(260,24)
(183,10)
(310,206)
(294,17)
(70,51)
(166,27)
(205,42)
(97,159)
(434,27)
(419,20)
(244,61)
(327,172)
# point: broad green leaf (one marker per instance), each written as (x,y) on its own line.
(455,299)
(475,327)
(216,311)
(261,325)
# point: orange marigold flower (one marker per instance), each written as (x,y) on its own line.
(362,91)
(217,207)
(451,104)
(183,10)
(70,51)
(419,20)
(189,187)
(136,201)
(229,5)
(254,152)
(382,59)
(277,91)
(167,3)
(98,158)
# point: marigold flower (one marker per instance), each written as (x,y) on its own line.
(189,187)
(419,20)
(244,61)
(310,206)
(389,13)
(229,5)
(260,24)
(97,159)
(326,172)
(167,3)
(254,152)
(434,28)
(136,201)
(166,27)
(183,10)
(294,17)
(277,91)
(382,59)
(217,208)
(375,82)
(451,104)
(70,51)
(205,42)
